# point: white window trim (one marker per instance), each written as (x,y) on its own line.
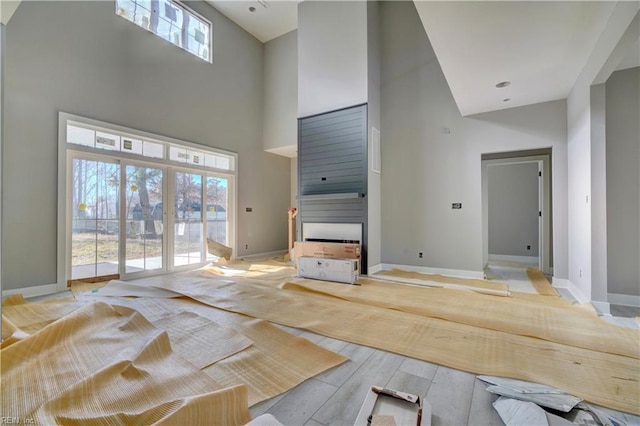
(65,149)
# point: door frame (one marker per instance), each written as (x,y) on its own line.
(545,256)
(123,214)
(223,164)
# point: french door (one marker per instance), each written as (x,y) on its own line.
(123,223)
(94,213)
(144,191)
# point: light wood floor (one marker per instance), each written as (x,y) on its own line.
(335,397)
(624,311)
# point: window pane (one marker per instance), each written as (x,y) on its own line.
(218,161)
(144,219)
(188,219)
(195,157)
(178,154)
(222,163)
(167,22)
(133,146)
(164,29)
(151,149)
(94,199)
(107,141)
(80,136)
(217,219)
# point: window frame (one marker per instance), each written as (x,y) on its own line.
(67,150)
(157,15)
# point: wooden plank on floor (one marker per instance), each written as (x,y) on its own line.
(343,407)
(264,406)
(450,396)
(311,336)
(302,402)
(624,311)
(481,411)
(419,368)
(357,355)
(333,344)
(409,383)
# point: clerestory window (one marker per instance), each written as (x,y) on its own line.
(172,21)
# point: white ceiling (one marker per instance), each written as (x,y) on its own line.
(265,23)
(539,46)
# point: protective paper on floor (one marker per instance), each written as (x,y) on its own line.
(595,375)
(201,341)
(123,288)
(31,317)
(95,366)
(274,363)
(491,285)
(540,283)
(566,324)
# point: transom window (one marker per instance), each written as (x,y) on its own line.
(171,21)
(87,135)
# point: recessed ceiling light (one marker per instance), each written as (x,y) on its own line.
(252,9)
(503,84)
(506,99)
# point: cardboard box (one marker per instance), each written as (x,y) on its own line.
(325,250)
(326,269)
(388,406)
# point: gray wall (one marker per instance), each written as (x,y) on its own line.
(513,209)
(623,181)
(79,57)
(432,156)
(281,92)
(332,60)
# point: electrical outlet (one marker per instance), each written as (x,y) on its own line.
(420,255)
(246,246)
(528,247)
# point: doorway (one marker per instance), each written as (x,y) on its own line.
(137,204)
(516,204)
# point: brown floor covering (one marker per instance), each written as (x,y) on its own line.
(587,370)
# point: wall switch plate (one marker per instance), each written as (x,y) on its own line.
(456,206)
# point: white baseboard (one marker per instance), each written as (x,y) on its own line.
(426,270)
(266,255)
(575,292)
(529,260)
(602,307)
(374,269)
(39,290)
(623,299)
